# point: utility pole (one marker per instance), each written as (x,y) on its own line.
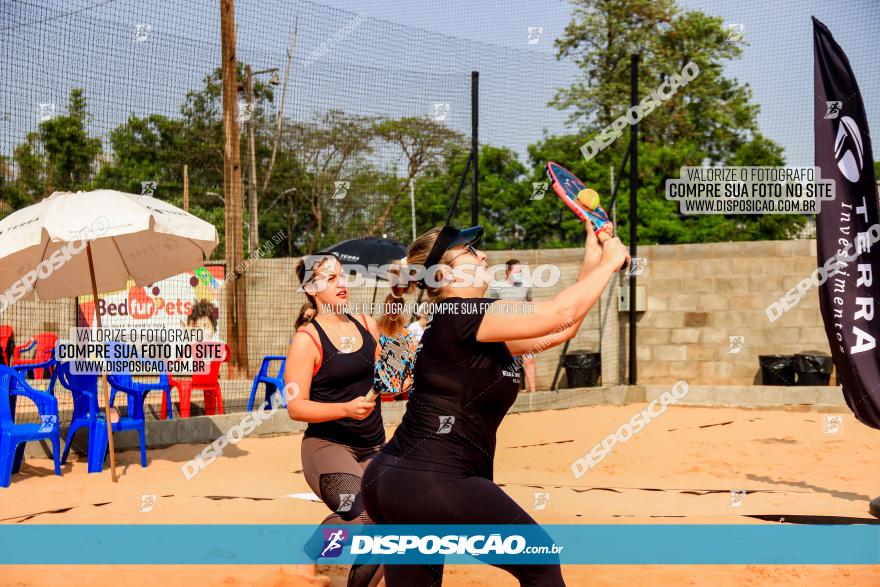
(253,216)
(279,118)
(186,187)
(412,203)
(236,322)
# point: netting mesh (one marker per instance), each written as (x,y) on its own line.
(150,81)
(352,107)
(343,110)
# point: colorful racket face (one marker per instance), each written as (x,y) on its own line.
(567,186)
(396,361)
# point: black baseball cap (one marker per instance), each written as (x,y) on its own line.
(450,237)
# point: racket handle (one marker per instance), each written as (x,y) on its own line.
(371,395)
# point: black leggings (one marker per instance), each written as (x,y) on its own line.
(394,495)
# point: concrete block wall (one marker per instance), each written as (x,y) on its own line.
(698,296)
(273,305)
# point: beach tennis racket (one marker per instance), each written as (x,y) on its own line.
(582,200)
(396,361)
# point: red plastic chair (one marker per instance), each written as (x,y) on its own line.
(208,382)
(45,345)
(7,344)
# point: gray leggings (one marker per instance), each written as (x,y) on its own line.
(333,472)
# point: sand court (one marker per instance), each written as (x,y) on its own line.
(680,469)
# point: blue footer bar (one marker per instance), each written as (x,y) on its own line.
(450,544)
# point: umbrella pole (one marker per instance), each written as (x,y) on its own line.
(105,394)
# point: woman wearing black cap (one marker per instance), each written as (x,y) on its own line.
(465,369)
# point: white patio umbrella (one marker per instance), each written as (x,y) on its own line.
(72,244)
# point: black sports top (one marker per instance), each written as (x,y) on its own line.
(462,389)
(342,377)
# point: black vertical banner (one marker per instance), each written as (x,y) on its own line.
(847,223)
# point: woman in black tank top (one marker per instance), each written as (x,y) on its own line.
(465,380)
(331,361)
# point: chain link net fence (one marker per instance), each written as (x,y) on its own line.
(350,127)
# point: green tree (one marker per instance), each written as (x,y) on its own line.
(146,149)
(421,141)
(58,155)
(156,148)
(332,148)
(70,151)
(711,120)
(29,184)
(503,197)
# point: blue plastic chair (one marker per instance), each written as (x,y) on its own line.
(125,380)
(13,437)
(133,420)
(49,365)
(273,382)
(84,389)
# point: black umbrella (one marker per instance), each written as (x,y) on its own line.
(369,254)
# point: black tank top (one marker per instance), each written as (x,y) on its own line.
(341,378)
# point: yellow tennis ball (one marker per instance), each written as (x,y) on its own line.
(589,198)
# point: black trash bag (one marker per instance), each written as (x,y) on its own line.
(777,369)
(582,368)
(812,368)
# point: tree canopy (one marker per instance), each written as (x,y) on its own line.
(339,175)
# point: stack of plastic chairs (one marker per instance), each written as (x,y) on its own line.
(208,382)
(7,344)
(43,353)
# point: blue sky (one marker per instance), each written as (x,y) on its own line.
(777,63)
